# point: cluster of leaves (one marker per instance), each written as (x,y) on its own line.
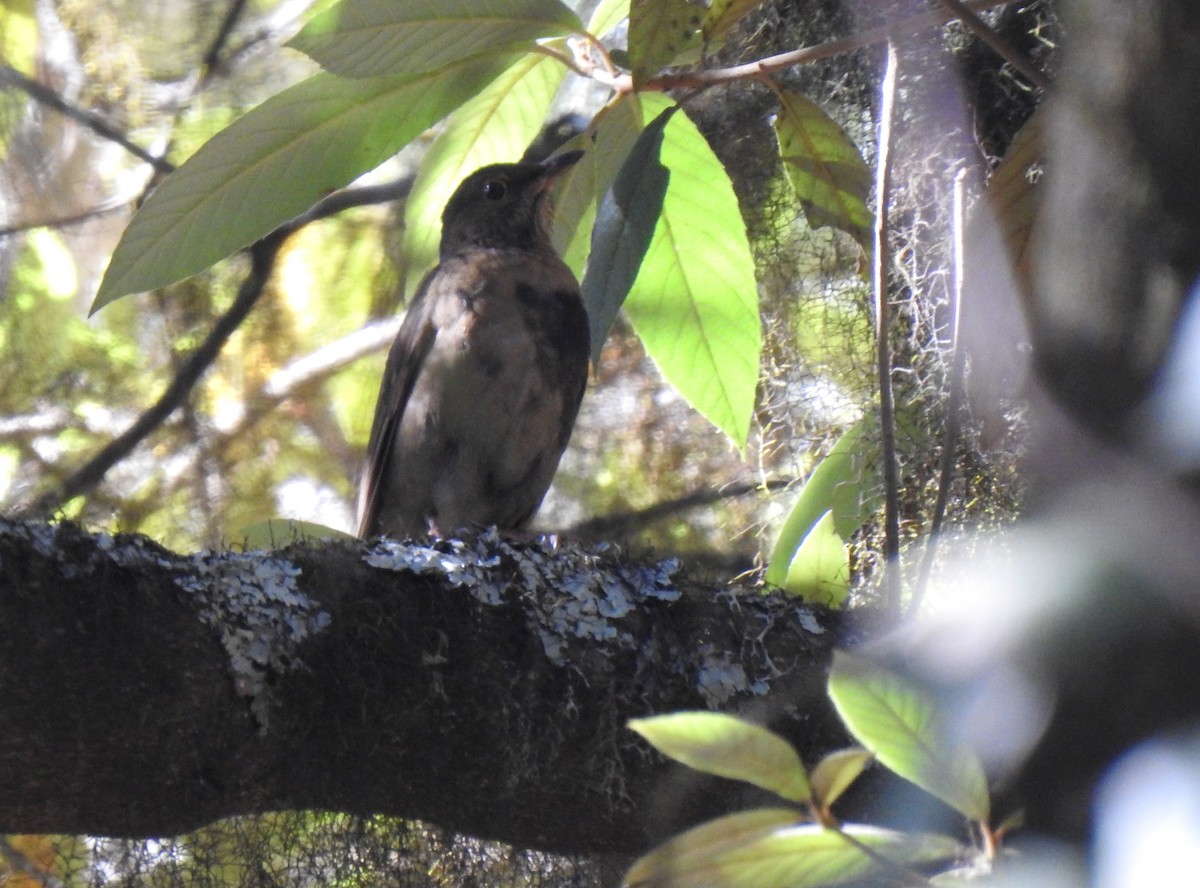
(805,846)
(676,245)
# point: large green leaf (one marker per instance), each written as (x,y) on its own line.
(825,167)
(659,31)
(625,222)
(695,301)
(493,127)
(760,849)
(898,722)
(274,163)
(839,486)
(372,38)
(607,15)
(728,747)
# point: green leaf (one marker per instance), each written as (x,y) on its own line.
(756,849)
(493,127)
(276,162)
(724,14)
(898,722)
(695,301)
(659,31)
(834,774)
(607,15)
(625,222)
(275,533)
(828,173)
(819,572)
(728,747)
(839,485)
(373,38)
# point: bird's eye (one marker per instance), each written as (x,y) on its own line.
(494,189)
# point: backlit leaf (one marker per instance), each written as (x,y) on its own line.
(825,167)
(834,774)
(728,747)
(659,31)
(372,38)
(276,162)
(695,301)
(753,849)
(607,15)
(819,572)
(898,722)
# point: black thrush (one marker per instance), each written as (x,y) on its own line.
(484,379)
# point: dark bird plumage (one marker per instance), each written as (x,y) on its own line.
(484,379)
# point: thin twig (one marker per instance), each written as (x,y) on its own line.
(883,350)
(803,56)
(621,523)
(212,56)
(110,206)
(954,399)
(999,44)
(10,76)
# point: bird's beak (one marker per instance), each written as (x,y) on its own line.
(555,166)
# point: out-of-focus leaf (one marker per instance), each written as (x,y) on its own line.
(825,167)
(695,301)
(274,163)
(728,747)
(379,38)
(833,774)
(606,16)
(839,486)
(898,722)
(275,533)
(493,127)
(625,221)
(659,31)
(724,14)
(819,572)
(753,850)
(18,36)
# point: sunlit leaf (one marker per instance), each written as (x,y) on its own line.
(738,852)
(840,486)
(274,163)
(819,572)
(493,127)
(728,747)
(834,774)
(19,37)
(724,14)
(607,15)
(372,38)
(825,167)
(695,301)
(625,221)
(275,533)
(898,722)
(659,31)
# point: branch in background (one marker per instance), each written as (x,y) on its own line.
(262,257)
(212,56)
(954,401)
(10,76)
(999,45)
(619,524)
(883,351)
(18,862)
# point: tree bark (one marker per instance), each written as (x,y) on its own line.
(483,686)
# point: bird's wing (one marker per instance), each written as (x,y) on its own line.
(408,353)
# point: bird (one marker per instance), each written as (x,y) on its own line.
(486,374)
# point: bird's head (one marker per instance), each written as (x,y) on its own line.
(503,205)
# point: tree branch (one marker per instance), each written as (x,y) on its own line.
(483,686)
